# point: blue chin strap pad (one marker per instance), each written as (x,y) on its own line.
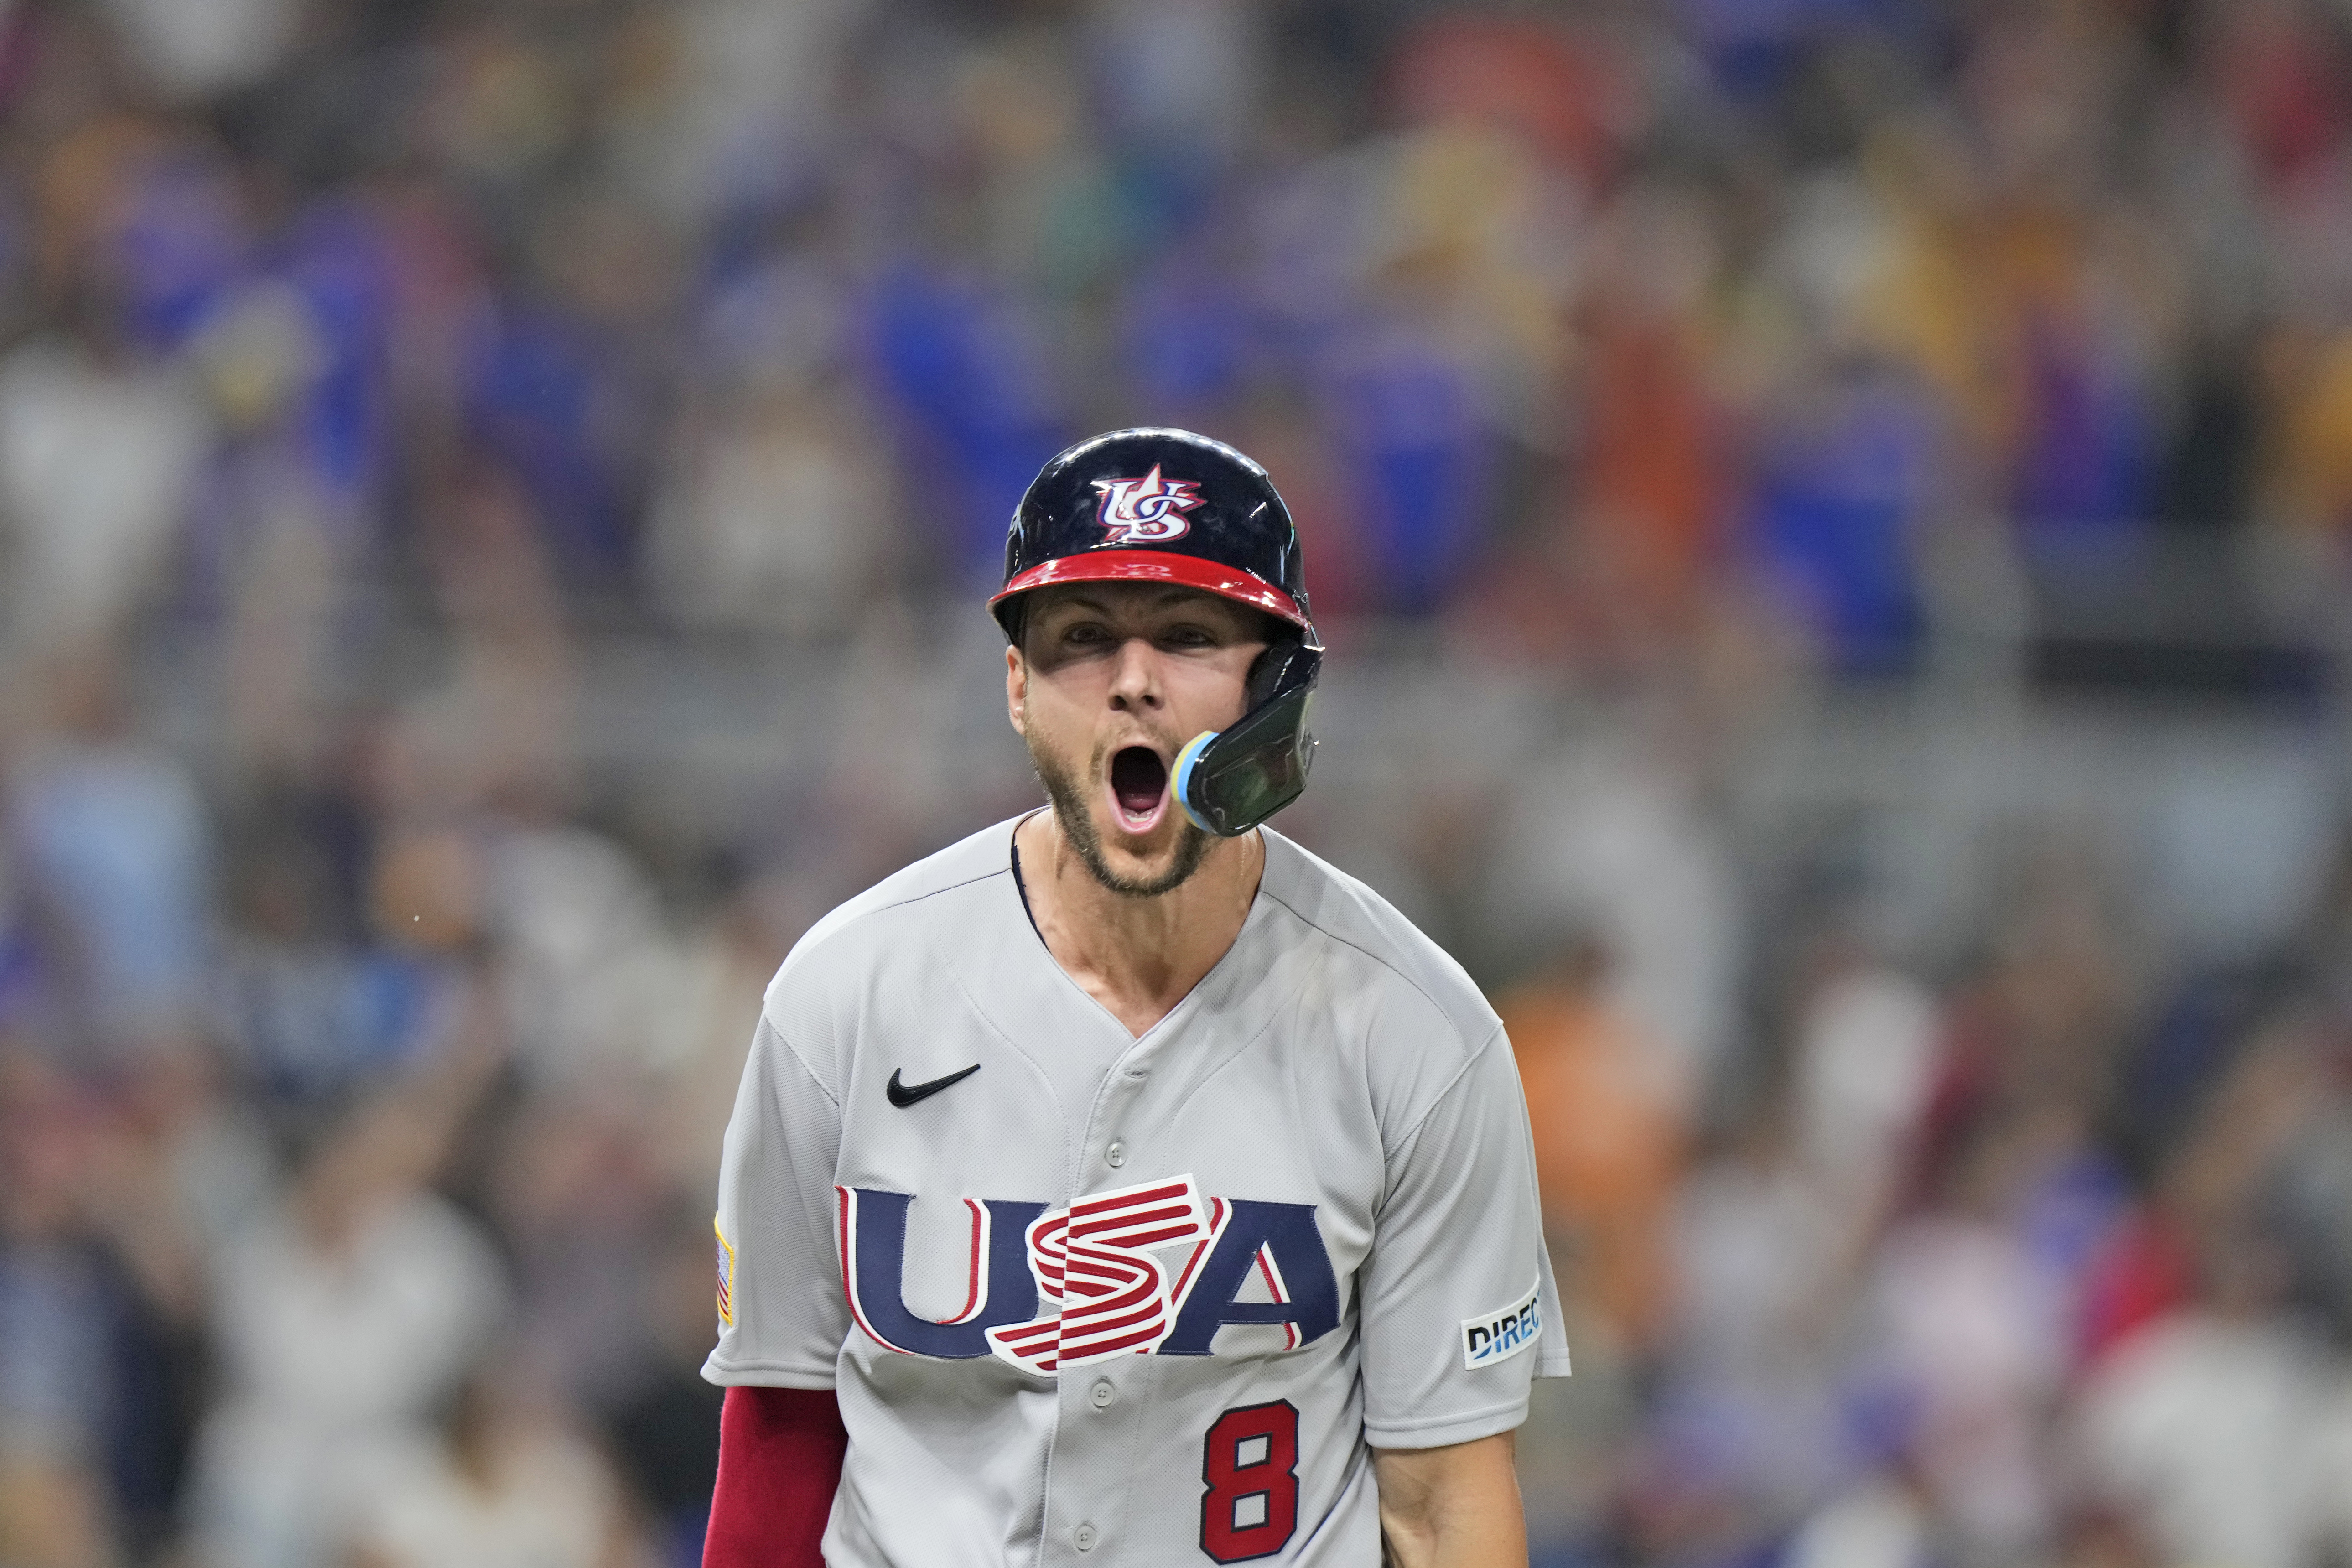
(1180,783)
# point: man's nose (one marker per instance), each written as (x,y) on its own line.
(1135,677)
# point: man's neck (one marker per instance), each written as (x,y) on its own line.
(1138,957)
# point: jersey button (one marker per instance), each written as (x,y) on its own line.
(1103,1395)
(1084,1538)
(1116,1155)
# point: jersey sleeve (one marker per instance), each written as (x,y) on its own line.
(1459,1308)
(781,1313)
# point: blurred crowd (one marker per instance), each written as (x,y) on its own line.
(421,421)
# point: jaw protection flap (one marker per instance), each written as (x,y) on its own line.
(1228,781)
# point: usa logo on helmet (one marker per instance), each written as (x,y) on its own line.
(1146,511)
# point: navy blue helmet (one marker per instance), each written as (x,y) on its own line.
(1155,506)
(1166,506)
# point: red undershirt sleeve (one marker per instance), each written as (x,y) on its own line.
(780,1452)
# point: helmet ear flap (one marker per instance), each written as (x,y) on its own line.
(1266,670)
(1229,781)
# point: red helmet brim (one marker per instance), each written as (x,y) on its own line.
(1157,566)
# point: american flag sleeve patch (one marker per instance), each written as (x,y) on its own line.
(726,1276)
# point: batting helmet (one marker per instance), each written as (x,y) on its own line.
(1167,506)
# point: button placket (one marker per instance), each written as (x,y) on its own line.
(1119,1103)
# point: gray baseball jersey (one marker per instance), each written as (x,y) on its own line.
(1088,1298)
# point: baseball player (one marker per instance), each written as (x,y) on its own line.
(1124,1185)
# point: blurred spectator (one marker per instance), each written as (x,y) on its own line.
(100,451)
(740,96)
(2214,1425)
(724,970)
(58,1311)
(778,521)
(1746,1429)
(2311,484)
(1972,1334)
(320,1015)
(1657,457)
(1419,449)
(108,1204)
(665,1430)
(1881,1522)
(1839,507)
(1607,1139)
(970,375)
(1605,837)
(576,1189)
(344,1317)
(587,963)
(1869,1043)
(113,841)
(505,1484)
(210,48)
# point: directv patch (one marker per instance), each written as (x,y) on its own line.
(1498,1336)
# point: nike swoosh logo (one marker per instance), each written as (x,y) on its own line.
(903,1095)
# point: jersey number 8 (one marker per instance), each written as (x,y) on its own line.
(1250,1463)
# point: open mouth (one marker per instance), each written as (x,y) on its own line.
(1138,787)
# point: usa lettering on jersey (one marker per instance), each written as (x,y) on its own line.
(1094,1280)
(1094,1263)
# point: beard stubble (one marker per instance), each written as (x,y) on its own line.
(1069,799)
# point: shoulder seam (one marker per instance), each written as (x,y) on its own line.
(913,898)
(1470,1056)
(1412,1134)
(801,1061)
(1328,933)
(769,1024)
(885,909)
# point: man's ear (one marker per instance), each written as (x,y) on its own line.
(1017,692)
